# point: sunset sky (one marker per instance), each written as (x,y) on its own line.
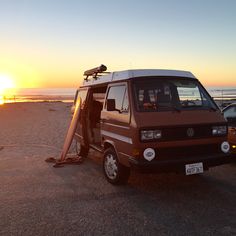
(49,43)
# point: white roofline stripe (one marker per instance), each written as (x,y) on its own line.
(128,74)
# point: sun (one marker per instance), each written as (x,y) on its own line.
(6,82)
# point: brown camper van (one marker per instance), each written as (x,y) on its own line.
(151,120)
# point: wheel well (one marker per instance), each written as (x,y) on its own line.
(108,145)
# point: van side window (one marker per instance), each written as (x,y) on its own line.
(125,105)
(119,93)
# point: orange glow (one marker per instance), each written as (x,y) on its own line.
(1,100)
(52,71)
(22,75)
(6,83)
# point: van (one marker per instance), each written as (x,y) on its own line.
(229,113)
(151,120)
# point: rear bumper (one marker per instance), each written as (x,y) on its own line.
(178,165)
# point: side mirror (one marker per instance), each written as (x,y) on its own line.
(111,105)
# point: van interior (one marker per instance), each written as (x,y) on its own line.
(96,102)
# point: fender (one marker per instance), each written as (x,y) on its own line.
(123,159)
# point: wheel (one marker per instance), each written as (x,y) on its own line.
(81,150)
(115,172)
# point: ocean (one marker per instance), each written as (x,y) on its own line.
(67,94)
(222,92)
(39,95)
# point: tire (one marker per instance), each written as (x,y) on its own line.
(114,171)
(81,150)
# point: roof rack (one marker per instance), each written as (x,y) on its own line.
(95,71)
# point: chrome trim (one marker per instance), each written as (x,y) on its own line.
(119,126)
(117,136)
(96,148)
(126,155)
(190,132)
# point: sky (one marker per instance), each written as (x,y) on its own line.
(51,43)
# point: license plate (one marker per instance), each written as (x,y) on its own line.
(195,168)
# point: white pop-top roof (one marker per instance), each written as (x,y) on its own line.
(128,74)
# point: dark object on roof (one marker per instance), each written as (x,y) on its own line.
(93,72)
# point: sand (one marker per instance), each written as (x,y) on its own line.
(37,199)
(33,129)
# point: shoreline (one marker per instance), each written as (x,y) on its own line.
(37,98)
(70,99)
(223,96)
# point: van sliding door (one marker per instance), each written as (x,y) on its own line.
(116,123)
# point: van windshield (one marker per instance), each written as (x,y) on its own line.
(165,94)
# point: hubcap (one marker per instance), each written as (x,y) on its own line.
(111,166)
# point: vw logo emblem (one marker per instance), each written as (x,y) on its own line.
(190,132)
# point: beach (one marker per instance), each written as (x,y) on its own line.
(33,128)
(37,199)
